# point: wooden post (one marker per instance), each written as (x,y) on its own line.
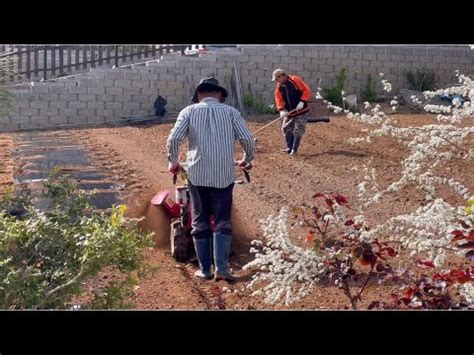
(107,54)
(61,61)
(100,55)
(84,57)
(69,59)
(53,61)
(28,62)
(76,55)
(20,62)
(45,62)
(130,50)
(116,56)
(36,64)
(92,56)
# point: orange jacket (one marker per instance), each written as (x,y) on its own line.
(289,95)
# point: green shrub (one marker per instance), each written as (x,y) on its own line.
(257,106)
(45,257)
(333,94)
(422,80)
(6,96)
(369,94)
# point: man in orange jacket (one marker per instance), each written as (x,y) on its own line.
(292,94)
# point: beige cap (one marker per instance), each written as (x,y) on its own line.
(277,73)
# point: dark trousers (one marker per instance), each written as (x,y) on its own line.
(207,201)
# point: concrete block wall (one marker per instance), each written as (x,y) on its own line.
(110,94)
(325,61)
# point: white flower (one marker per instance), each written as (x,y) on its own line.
(467,291)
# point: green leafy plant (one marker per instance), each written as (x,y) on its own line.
(45,257)
(422,80)
(6,97)
(369,94)
(334,94)
(257,106)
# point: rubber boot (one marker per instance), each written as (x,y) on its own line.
(203,253)
(296,144)
(221,257)
(289,141)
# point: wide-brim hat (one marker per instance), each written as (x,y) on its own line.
(212,84)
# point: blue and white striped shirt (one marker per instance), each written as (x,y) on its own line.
(212,129)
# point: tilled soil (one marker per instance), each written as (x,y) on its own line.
(6,163)
(326,163)
(136,157)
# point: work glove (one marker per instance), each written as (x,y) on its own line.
(244,165)
(174,168)
(283,113)
(300,105)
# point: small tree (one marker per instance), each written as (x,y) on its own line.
(334,94)
(6,69)
(258,106)
(422,80)
(369,94)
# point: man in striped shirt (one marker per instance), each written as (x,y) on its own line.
(211,128)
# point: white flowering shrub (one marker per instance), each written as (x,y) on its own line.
(437,231)
(288,271)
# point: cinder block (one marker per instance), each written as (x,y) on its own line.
(325,68)
(342,55)
(77,90)
(122,113)
(88,113)
(150,92)
(39,104)
(29,111)
(41,88)
(87,82)
(123,83)
(86,98)
(114,91)
(122,98)
(96,105)
(334,61)
(131,106)
(104,98)
(131,76)
(95,91)
(57,120)
(140,98)
(108,83)
(77,105)
(140,84)
(49,112)
(66,112)
(48,97)
(167,77)
(17,120)
(113,105)
(133,91)
(114,75)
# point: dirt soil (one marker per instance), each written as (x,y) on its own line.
(136,157)
(6,163)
